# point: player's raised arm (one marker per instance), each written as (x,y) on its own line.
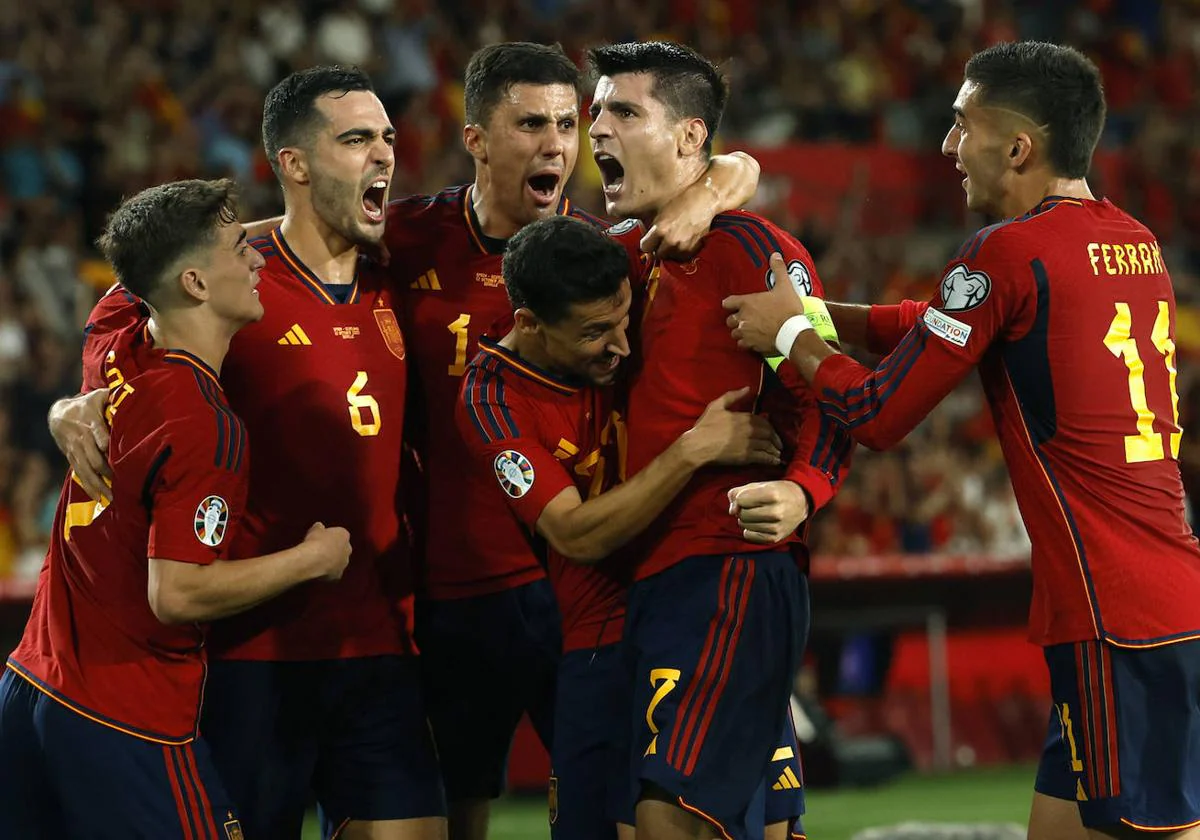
(979,299)
(729,182)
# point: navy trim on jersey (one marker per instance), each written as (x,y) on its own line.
(508,360)
(754,235)
(264,245)
(970,248)
(583,215)
(484,398)
(160,460)
(1027,361)
(859,405)
(237,432)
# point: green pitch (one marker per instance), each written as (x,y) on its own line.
(995,794)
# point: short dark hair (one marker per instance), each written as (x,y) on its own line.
(687,83)
(290,115)
(149,233)
(493,70)
(1055,86)
(558,261)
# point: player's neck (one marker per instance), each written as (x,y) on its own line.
(193,331)
(527,350)
(688,171)
(493,221)
(324,251)
(1028,197)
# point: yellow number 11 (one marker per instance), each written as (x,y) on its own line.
(1145,445)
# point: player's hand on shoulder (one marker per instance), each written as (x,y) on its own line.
(725,436)
(755,319)
(330,548)
(768,511)
(81,434)
(679,228)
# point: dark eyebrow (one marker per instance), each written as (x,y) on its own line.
(613,105)
(960,112)
(240,240)
(365,133)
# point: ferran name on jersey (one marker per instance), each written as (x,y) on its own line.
(389,328)
(950,329)
(212,515)
(798,274)
(514,472)
(964,289)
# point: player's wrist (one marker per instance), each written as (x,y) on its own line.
(789,331)
(817,314)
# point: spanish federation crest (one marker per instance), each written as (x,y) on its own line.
(553,799)
(233,829)
(212,516)
(389,328)
(514,472)
(798,274)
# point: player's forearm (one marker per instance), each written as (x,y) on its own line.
(807,353)
(180,593)
(852,321)
(730,182)
(596,528)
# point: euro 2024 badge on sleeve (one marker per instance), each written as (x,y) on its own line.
(212,517)
(514,472)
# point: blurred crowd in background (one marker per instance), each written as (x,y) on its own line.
(99,99)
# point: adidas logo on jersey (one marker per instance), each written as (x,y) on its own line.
(428,281)
(295,335)
(565,449)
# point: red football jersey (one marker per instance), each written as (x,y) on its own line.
(448,274)
(178,455)
(535,434)
(1069,313)
(321,388)
(684,360)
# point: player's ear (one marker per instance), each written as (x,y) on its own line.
(527,323)
(691,137)
(294,164)
(1020,150)
(193,284)
(475,141)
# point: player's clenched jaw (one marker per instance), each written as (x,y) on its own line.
(525,150)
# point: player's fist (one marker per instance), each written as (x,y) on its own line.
(725,436)
(768,511)
(329,549)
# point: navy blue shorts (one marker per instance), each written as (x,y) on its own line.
(351,731)
(65,775)
(784,783)
(588,787)
(713,644)
(1125,734)
(486,661)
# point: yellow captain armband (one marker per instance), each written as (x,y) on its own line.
(818,315)
(774,361)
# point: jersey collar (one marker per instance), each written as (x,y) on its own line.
(559,384)
(490,244)
(304,274)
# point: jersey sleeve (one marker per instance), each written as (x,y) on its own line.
(117,311)
(196,490)
(987,293)
(888,324)
(818,449)
(500,432)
